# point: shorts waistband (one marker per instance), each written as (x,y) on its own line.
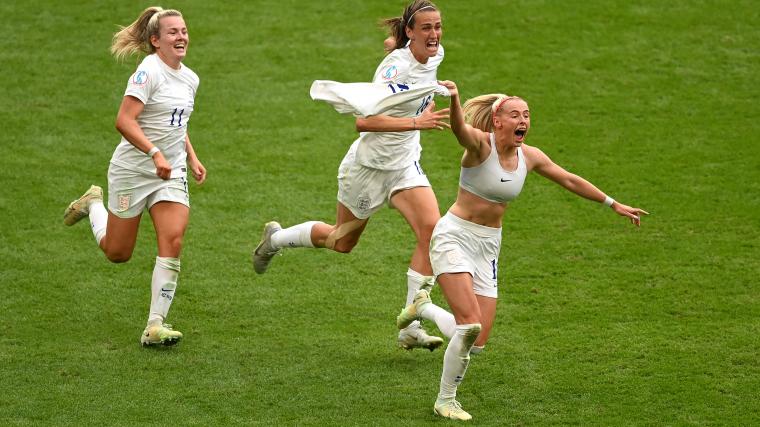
(120,167)
(480,230)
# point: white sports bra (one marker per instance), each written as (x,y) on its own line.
(490,181)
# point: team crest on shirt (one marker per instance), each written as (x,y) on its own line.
(389,72)
(140,78)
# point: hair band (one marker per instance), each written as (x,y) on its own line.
(405,22)
(498,103)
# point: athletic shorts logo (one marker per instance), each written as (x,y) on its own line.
(140,78)
(389,72)
(363,203)
(454,257)
(123,201)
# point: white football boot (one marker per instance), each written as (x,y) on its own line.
(411,312)
(160,333)
(264,252)
(80,207)
(451,409)
(416,337)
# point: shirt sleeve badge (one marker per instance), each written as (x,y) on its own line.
(389,72)
(139,78)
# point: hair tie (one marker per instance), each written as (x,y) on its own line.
(498,103)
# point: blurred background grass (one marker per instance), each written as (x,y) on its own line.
(599,323)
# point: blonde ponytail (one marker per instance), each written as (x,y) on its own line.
(479,111)
(135,38)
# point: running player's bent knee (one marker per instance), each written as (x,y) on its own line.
(118,257)
(471,333)
(173,245)
(465,337)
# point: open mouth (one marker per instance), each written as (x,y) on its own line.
(180,46)
(520,134)
(432,44)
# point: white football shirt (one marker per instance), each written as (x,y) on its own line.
(397,150)
(369,99)
(169,96)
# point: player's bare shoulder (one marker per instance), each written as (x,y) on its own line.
(534,157)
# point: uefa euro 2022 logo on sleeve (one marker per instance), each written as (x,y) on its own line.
(139,78)
(389,72)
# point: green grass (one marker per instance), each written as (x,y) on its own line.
(598,323)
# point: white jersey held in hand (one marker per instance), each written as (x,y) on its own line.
(369,99)
(401,87)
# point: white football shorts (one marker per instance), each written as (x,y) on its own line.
(460,246)
(129,192)
(364,190)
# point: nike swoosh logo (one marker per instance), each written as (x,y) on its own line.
(167,290)
(505,180)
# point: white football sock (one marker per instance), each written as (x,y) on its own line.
(162,286)
(416,281)
(477,349)
(98,220)
(442,318)
(456,359)
(297,236)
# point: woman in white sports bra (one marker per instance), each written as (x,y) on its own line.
(464,248)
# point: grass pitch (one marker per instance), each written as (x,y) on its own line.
(598,323)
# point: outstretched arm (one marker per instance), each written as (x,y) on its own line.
(469,137)
(429,119)
(542,164)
